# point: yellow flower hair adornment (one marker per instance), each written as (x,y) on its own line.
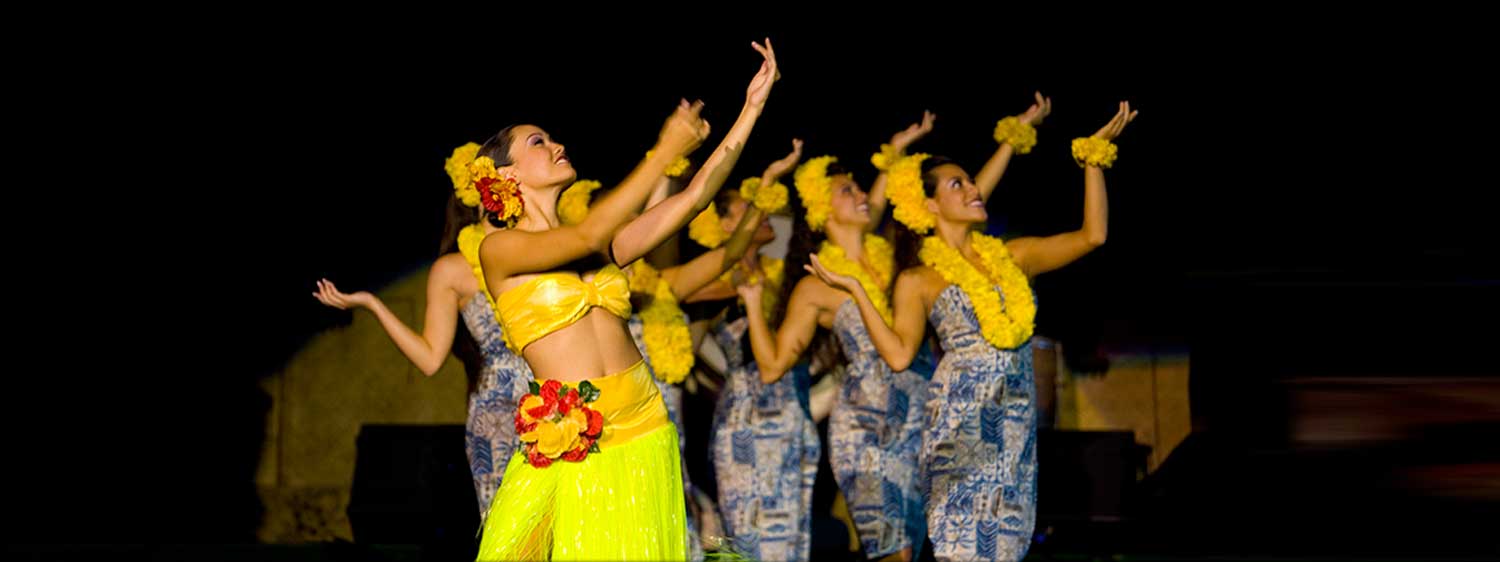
(500,195)
(1003,305)
(904,188)
(573,205)
(882,160)
(1018,134)
(770,199)
(707,228)
(1094,151)
(457,167)
(815,189)
(676,168)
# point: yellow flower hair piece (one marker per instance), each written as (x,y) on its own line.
(707,229)
(815,189)
(676,168)
(1092,151)
(664,329)
(573,205)
(904,188)
(881,257)
(1019,135)
(883,159)
(770,199)
(499,195)
(457,167)
(1006,316)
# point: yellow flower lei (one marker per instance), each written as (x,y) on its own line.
(707,228)
(882,160)
(1007,317)
(664,329)
(642,277)
(457,167)
(775,271)
(904,188)
(881,257)
(469,240)
(1019,135)
(815,189)
(676,168)
(573,205)
(1092,151)
(468,244)
(770,200)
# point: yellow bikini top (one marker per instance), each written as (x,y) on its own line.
(552,301)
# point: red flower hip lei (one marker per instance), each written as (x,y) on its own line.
(555,422)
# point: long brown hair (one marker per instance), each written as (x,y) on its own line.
(458,216)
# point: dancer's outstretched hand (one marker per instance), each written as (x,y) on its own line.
(1116,124)
(769,73)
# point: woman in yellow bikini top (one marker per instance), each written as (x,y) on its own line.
(597,475)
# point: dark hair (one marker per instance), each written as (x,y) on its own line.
(457,216)
(725,196)
(497,148)
(836,169)
(908,243)
(804,242)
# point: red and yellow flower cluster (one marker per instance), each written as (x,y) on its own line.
(499,194)
(555,423)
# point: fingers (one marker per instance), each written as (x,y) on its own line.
(796,151)
(327,295)
(818,265)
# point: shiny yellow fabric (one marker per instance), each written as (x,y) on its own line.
(552,301)
(630,404)
(624,502)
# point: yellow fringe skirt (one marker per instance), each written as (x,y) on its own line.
(622,503)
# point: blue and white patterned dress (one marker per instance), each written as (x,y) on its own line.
(875,435)
(671,394)
(765,453)
(490,432)
(979,447)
